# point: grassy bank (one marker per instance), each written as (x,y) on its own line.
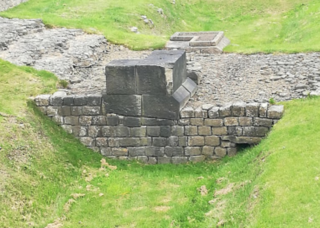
(48,177)
(252,25)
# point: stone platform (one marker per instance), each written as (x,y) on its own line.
(202,42)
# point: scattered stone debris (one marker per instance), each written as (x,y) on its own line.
(134,29)
(106,164)
(160,11)
(203,190)
(68,205)
(77,195)
(224,191)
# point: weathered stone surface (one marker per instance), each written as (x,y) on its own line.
(173,151)
(42,100)
(106,151)
(130,104)
(137,151)
(177,131)
(153,131)
(91,110)
(225,111)
(187,112)
(221,152)
(112,120)
(252,110)
(204,130)
(255,131)
(208,151)
(129,142)
(199,158)
(182,96)
(200,113)
(99,120)
(152,160)
(231,151)
(235,130)
(219,131)
(173,141)
(120,131)
(101,142)
(192,151)
(132,121)
(159,142)
(179,160)
(119,152)
(94,131)
(231,121)
(76,111)
(246,140)
(245,121)
(213,122)
(87,141)
(71,120)
(65,111)
(165,131)
(191,130)
(212,141)
(262,122)
(239,109)
(151,80)
(138,131)
(183,141)
(191,86)
(196,121)
(52,111)
(214,113)
(155,151)
(275,111)
(196,141)
(164,160)
(263,109)
(160,107)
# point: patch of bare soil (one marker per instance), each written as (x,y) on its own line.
(161,209)
(224,191)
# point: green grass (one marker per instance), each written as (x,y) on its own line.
(252,25)
(274,184)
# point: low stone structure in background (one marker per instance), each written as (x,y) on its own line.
(141,115)
(7,4)
(201,42)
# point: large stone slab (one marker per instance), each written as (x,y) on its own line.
(127,105)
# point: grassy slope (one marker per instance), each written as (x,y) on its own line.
(252,25)
(274,184)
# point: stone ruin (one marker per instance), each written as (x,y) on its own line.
(202,42)
(142,115)
(7,4)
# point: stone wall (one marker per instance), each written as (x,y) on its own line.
(203,134)
(6,4)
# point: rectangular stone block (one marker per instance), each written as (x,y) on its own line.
(113,142)
(94,100)
(52,111)
(127,105)
(213,113)
(184,122)
(263,122)
(225,111)
(112,120)
(212,141)
(173,151)
(191,130)
(132,121)
(106,151)
(235,130)
(199,158)
(76,111)
(151,80)
(204,130)
(190,85)
(153,131)
(99,120)
(231,121)
(71,120)
(263,110)
(120,77)
(160,107)
(239,109)
(255,131)
(164,160)
(68,100)
(137,151)
(85,120)
(196,121)
(159,142)
(119,152)
(165,131)
(94,131)
(207,151)
(138,131)
(87,141)
(173,141)
(183,140)
(107,131)
(128,142)
(252,110)
(79,131)
(182,96)
(247,140)
(121,131)
(219,130)
(155,151)
(177,130)
(200,113)
(220,152)
(102,142)
(56,100)
(196,141)
(245,121)
(80,100)
(187,112)
(65,111)
(42,100)
(213,122)
(146,141)
(192,151)
(275,111)
(179,160)
(91,110)
(145,121)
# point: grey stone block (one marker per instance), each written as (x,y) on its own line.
(179,160)
(132,121)
(164,160)
(71,120)
(94,131)
(146,141)
(239,109)
(165,131)
(85,120)
(252,110)
(196,141)
(235,131)
(52,111)
(99,120)
(190,85)
(160,142)
(214,112)
(121,131)
(200,113)
(107,131)
(207,151)
(76,111)
(255,131)
(56,100)
(247,140)
(155,151)
(67,128)
(127,105)
(196,121)
(102,142)
(182,96)
(187,112)
(42,100)
(263,110)
(173,141)
(128,142)
(94,100)
(245,121)
(191,130)
(219,130)
(68,100)
(138,131)
(153,131)
(58,119)
(275,111)
(221,152)
(152,160)
(199,158)
(160,107)
(80,100)
(263,122)
(145,121)
(87,141)
(119,152)
(137,151)
(231,152)
(231,121)
(91,110)
(113,142)
(183,141)
(65,111)
(120,77)
(194,76)
(177,131)
(192,151)
(151,80)
(212,141)
(106,151)
(112,120)
(225,111)
(213,122)
(204,130)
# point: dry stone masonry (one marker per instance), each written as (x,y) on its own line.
(141,115)
(7,4)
